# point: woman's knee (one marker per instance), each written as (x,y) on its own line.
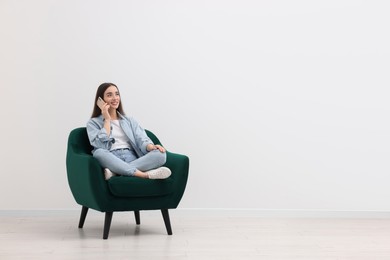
(102,154)
(159,157)
(99,152)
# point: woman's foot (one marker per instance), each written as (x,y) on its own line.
(159,173)
(108,174)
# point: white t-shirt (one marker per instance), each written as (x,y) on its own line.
(121,139)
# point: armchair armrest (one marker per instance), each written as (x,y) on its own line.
(179,165)
(86,181)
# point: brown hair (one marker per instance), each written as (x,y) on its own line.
(100,93)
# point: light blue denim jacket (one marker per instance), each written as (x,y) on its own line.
(98,137)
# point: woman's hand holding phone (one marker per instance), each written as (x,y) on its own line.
(100,103)
(104,107)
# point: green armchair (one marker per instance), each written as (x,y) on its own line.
(121,193)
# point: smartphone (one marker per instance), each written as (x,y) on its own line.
(100,103)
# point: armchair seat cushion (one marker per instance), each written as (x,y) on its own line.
(124,186)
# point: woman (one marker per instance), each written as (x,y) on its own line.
(120,144)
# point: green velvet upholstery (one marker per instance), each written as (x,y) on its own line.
(121,193)
(119,186)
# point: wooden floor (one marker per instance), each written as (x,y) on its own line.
(196,235)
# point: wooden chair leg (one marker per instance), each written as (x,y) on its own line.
(107,224)
(84,211)
(137,217)
(167,221)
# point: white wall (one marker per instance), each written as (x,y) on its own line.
(279,104)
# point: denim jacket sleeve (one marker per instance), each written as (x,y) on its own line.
(97,134)
(140,137)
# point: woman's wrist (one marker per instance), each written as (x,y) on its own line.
(150,147)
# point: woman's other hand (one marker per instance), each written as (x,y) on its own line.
(151,147)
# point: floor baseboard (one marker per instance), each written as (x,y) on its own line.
(262,213)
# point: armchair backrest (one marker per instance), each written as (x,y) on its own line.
(78,141)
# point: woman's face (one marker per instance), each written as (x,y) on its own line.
(111,97)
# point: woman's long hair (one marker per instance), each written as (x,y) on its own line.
(100,93)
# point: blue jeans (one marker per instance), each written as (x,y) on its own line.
(126,162)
